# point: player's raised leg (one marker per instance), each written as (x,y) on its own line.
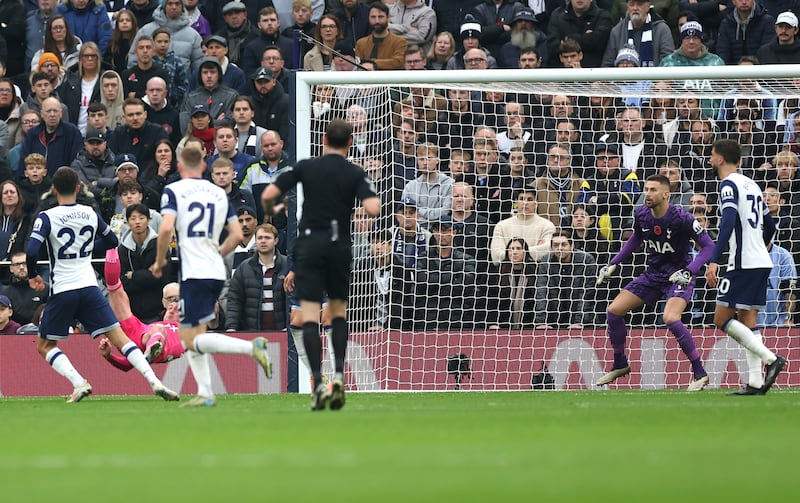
(673,312)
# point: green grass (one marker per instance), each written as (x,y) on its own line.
(489,447)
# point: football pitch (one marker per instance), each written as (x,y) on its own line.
(447,447)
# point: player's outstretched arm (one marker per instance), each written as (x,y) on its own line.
(118,361)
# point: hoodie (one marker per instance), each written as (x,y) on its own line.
(143,289)
(743,37)
(186,42)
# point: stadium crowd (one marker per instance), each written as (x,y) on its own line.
(499,208)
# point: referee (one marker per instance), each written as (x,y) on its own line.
(322,253)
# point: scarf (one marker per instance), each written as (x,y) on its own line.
(235,39)
(410,254)
(519,282)
(250,143)
(563,186)
(207,137)
(646,45)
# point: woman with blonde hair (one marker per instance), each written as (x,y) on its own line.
(82,85)
(442,49)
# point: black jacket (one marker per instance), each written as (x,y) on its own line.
(272,110)
(245,294)
(564,23)
(143,289)
(141,143)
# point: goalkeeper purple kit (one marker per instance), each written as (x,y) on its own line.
(668,242)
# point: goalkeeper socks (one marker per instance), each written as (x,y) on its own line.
(112,270)
(617,332)
(63,366)
(135,356)
(686,342)
(201,369)
(313,346)
(297,335)
(339,343)
(225,344)
(745,337)
(755,378)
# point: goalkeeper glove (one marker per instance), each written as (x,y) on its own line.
(681,277)
(605,272)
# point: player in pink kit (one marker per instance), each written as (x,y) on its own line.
(159,342)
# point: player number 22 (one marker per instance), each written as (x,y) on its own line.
(755,209)
(84,251)
(201,225)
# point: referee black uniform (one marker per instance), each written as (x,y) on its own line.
(322,253)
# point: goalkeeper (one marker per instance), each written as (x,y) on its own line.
(668,233)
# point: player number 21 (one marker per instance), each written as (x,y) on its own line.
(201,225)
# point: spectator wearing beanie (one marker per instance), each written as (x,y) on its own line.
(470,39)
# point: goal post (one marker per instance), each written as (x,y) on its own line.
(440,299)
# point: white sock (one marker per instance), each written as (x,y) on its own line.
(137,359)
(61,364)
(219,343)
(297,335)
(201,370)
(746,338)
(755,377)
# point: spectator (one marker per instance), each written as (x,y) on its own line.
(35,30)
(214,11)
(200,128)
(785,48)
(119,44)
(211,92)
(445,279)
(82,86)
(160,111)
(564,289)
(788,231)
(135,78)
(7,325)
(327,32)
(142,10)
(382,46)
(473,231)
(112,209)
(10,109)
(524,34)
(353,20)
(186,42)
(165,59)
(59,41)
(41,88)
(692,52)
(264,171)
(782,282)
(512,292)
(34,182)
(272,58)
(225,144)
(112,97)
(247,133)
(26,300)
(410,240)
(137,136)
(696,156)
(245,248)
(232,76)
(744,30)
(29,120)
(130,194)
(16,221)
(196,18)
(584,22)
(584,234)
(558,190)
(58,141)
(95,162)
(526,224)
(269,24)
(677,132)
(382,289)
(611,190)
(414,21)
(764,110)
(12,31)
(237,29)
(516,133)
(256,299)
(643,29)
(788,178)
(88,20)
(494,17)
(162,171)
(271,103)
(519,171)
(638,148)
(431,189)
(489,177)
(442,49)
(222,175)
(137,252)
(471,41)
(301,15)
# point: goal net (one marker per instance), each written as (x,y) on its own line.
(505,191)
